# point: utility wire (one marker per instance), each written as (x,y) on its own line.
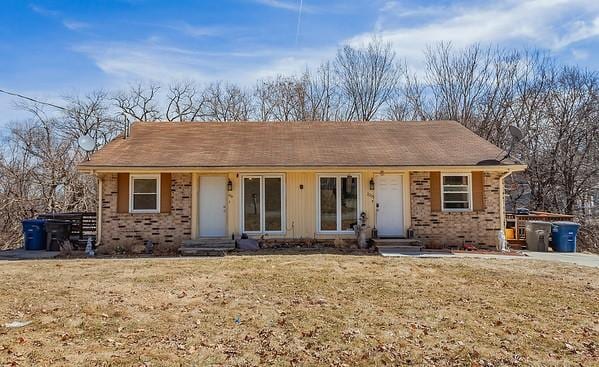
(33,99)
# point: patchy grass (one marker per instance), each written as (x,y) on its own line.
(299,310)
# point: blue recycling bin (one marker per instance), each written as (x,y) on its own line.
(563,236)
(34,233)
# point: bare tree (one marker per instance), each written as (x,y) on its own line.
(410,101)
(184,103)
(323,100)
(227,102)
(90,115)
(563,159)
(367,77)
(139,102)
(281,99)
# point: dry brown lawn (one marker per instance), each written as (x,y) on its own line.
(299,310)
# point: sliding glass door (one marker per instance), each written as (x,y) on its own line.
(262,204)
(338,199)
(252,203)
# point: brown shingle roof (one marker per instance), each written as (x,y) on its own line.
(298,144)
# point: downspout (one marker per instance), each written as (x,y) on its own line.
(502,204)
(99,213)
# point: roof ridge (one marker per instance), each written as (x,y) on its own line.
(278,123)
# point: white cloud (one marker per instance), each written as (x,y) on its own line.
(74,25)
(580,54)
(146,61)
(541,23)
(44,11)
(547,24)
(125,62)
(579,31)
(279,4)
(286,5)
(196,31)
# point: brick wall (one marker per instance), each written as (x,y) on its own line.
(455,228)
(162,228)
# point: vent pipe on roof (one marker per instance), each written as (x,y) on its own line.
(126,131)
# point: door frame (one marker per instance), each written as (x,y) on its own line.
(262,176)
(406,200)
(337,177)
(198,217)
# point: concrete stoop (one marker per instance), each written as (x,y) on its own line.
(207,247)
(397,245)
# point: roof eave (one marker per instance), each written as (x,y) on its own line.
(255,168)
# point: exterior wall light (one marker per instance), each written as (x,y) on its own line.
(229,186)
(371,184)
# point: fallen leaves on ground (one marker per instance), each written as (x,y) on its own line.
(299,310)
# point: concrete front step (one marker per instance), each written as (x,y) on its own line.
(398,244)
(209,243)
(204,251)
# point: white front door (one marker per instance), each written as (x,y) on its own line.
(389,206)
(213,206)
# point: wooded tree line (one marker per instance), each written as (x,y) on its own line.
(487,89)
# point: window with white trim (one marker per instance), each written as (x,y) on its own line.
(338,202)
(144,194)
(456,194)
(262,204)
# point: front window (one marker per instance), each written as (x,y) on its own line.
(338,203)
(262,206)
(456,195)
(144,193)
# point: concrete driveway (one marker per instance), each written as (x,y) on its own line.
(572,258)
(567,257)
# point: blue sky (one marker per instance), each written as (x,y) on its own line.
(49,49)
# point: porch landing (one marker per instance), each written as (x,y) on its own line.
(207,247)
(407,245)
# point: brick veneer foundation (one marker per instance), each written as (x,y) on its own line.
(438,228)
(161,228)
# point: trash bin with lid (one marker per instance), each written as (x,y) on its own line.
(34,234)
(537,235)
(563,236)
(57,231)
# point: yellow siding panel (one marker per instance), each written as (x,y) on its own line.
(301,204)
(233,209)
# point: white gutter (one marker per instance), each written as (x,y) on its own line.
(502,202)
(255,169)
(99,213)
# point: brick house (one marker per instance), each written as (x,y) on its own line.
(171,182)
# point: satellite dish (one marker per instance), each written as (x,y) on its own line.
(516,133)
(517,137)
(86,143)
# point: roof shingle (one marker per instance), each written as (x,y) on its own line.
(297,144)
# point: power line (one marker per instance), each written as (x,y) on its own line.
(31,99)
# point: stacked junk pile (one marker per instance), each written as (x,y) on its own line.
(542,230)
(59,232)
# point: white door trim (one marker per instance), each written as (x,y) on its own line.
(262,230)
(337,177)
(202,233)
(404,206)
